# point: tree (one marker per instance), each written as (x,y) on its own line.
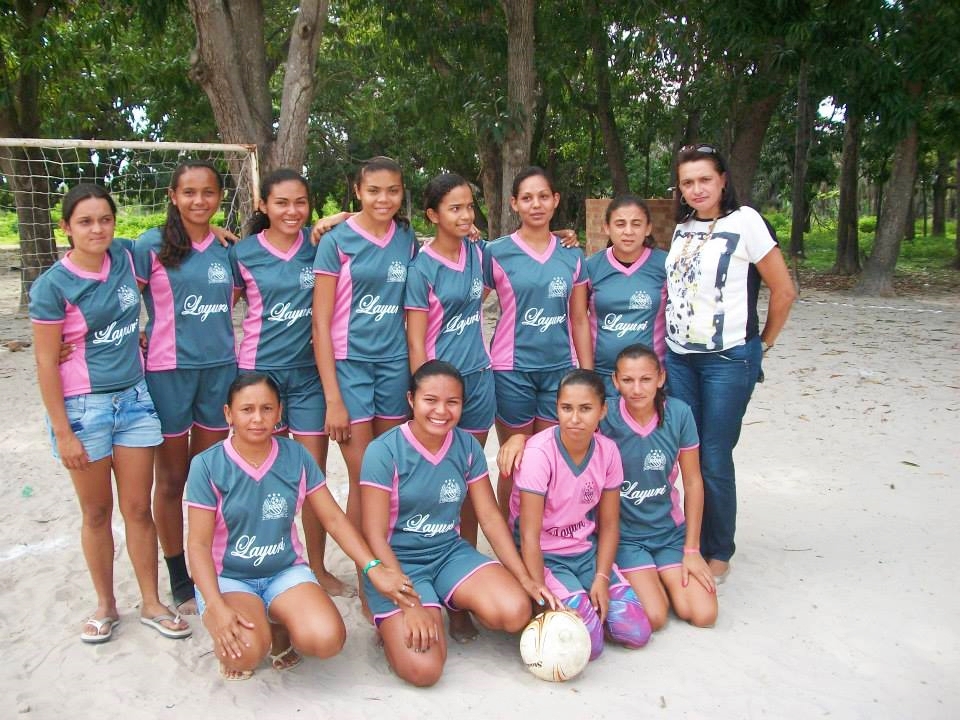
(848,241)
(921,45)
(521,97)
(232,65)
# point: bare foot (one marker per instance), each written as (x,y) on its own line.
(188,607)
(719,568)
(462,628)
(334,586)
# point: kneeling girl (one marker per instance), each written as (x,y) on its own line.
(413,481)
(564,510)
(247,560)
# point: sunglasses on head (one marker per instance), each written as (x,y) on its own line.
(705,149)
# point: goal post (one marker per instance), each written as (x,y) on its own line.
(35,173)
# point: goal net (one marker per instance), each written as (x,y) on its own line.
(35,173)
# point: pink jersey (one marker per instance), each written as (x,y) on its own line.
(570,492)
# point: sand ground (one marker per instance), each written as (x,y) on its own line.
(842,601)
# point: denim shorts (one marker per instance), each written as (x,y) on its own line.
(191,396)
(101,420)
(267,588)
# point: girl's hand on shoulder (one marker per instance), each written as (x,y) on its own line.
(225,627)
(541,595)
(474,235)
(511,453)
(420,629)
(600,596)
(394,584)
(337,423)
(73,454)
(568,238)
(695,566)
(223,236)
(326,224)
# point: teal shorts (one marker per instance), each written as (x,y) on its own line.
(567,575)
(189,397)
(436,581)
(659,552)
(523,397)
(480,401)
(374,389)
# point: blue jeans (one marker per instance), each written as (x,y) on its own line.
(717,387)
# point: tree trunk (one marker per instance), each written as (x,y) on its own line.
(521,98)
(235,76)
(23,167)
(490,154)
(801,154)
(877,277)
(605,116)
(848,240)
(939,228)
(910,227)
(750,127)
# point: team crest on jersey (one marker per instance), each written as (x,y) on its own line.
(397,272)
(588,495)
(450,491)
(476,289)
(655,460)
(217,274)
(127,296)
(307,278)
(640,301)
(275,507)
(557,288)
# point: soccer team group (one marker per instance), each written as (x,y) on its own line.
(586,515)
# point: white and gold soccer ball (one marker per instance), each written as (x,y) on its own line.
(555,645)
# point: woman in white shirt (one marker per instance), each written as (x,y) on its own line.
(719,254)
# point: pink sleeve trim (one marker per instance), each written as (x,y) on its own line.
(211,508)
(478,477)
(378,486)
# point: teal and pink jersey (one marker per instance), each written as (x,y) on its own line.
(426,489)
(571,491)
(626,305)
(451,293)
(534,290)
(278,326)
(650,503)
(189,323)
(100,315)
(254,533)
(371,272)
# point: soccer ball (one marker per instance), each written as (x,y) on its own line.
(555,645)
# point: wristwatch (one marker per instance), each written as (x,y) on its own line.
(766,346)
